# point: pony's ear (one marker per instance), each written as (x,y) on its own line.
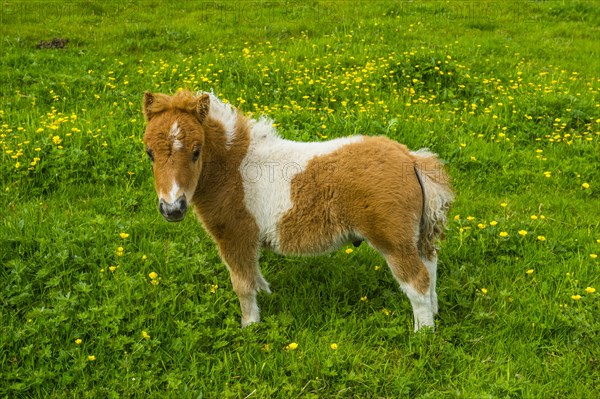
(201,107)
(147,105)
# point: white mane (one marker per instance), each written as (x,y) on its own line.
(227,114)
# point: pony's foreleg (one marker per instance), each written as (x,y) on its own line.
(246,279)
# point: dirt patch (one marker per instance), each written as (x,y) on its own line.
(57,42)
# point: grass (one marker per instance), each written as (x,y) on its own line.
(507,93)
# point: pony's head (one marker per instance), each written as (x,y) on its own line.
(174,140)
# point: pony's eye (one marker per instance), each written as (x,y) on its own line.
(196,154)
(150,155)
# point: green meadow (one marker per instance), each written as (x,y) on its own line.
(101,298)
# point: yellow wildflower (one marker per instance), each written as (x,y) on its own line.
(576,297)
(522,233)
(590,290)
(91,358)
(585,186)
(333,346)
(593,256)
(292,346)
(493,223)
(349,250)
(123,235)
(153,275)
(541,238)
(112,268)
(145,335)
(530,272)
(503,234)
(484,291)
(78,341)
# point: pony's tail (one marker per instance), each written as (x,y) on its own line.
(437,197)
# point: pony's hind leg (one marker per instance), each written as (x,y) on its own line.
(414,279)
(431,265)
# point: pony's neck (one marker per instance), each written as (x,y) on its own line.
(223,154)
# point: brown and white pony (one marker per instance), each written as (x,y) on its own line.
(253,189)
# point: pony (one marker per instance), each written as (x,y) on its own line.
(252,189)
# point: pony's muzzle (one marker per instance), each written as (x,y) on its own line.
(173,212)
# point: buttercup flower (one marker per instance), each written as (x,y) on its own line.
(153,275)
(91,358)
(78,341)
(123,235)
(292,346)
(333,346)
(590,290)
(576,297)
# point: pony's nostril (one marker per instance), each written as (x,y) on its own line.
(182,204)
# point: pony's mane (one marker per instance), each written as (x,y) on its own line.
(182,100)
(219,110)
(228,115)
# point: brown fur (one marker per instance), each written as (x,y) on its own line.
(349,191)
(218,197)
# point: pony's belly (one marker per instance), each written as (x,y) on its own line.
(318,244)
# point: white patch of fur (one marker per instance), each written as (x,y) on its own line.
(172,195)
(431,265)
(421,305)
(224,113)
(174,131)
(174,134)
(267,172)
(177,145)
